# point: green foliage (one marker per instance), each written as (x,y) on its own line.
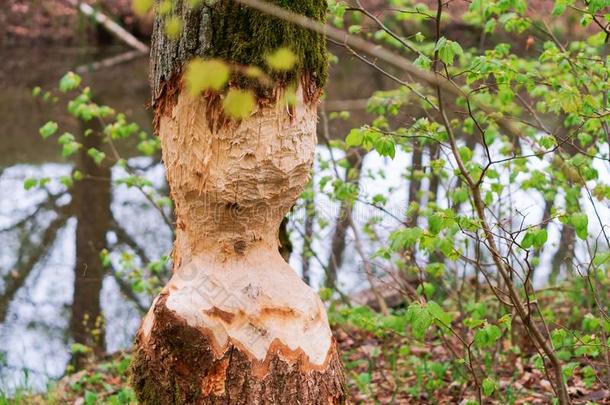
(173,27)
(487,336)
(580,221)
(447,50)
(489,386)
(141,7)
(48,129)
(69,81)
(536,238)
(204,75)
(282,59)
(239,104)
(528,123)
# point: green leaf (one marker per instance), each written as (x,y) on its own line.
(79,348)
(68,143)
(580,222)
(354,138)
(598,39)
(69,149)
(421,321)
(30,183)
(173,27)
(90,398)
(426,289)
(547,142)
(67,181)
(239,104)
(568,369)
(534,237)
(440,44)
(489,386)
(465,153)
(423,62)
(569,99)
(384,145)
(435,269)
(48,129)
(595,5)
(404,238)
(96,155)
(559,8)
(438,313)
(65,138)
(69,81)
(354,29)
(447,50)
(148,146)
(487,336)
(364,379)
(283,59)
(540,238)
(325,294)
(435,223)
(204,75)
(141,7)
(528,240)
(460,195)
(165,7)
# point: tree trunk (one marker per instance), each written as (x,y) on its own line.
(414,185)
(306,251)
(355,159)
(235,324)
(564,254)
(92,197)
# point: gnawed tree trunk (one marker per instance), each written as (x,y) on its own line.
(235,324)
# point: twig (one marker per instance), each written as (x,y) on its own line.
(112,27)
(109,62)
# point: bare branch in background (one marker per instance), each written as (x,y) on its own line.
(29,255)
(112,27)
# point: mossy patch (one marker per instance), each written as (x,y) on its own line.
(246,36)
(241,36)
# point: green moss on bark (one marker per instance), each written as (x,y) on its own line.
(243,36)
(246,36)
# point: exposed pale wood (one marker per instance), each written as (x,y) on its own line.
(232,184)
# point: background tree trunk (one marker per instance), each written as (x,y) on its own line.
(355,159)
(92,197)
(235,324)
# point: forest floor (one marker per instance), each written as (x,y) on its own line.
(373,377)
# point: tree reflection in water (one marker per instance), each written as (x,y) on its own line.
(103,214)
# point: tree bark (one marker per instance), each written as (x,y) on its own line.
(414,185)
(236,324)
(92,197)
(564,254)
(310,214)
(355,159)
